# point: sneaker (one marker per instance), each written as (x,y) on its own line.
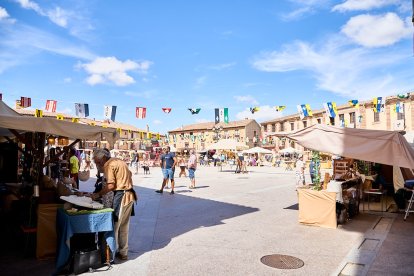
(121,257)
(172,192)
(159,191)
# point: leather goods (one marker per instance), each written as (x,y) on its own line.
(84,261)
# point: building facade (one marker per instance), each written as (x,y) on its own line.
(361,116)
(200,136)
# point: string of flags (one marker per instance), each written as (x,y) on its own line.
(220,114)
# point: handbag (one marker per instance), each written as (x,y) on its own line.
(84,261)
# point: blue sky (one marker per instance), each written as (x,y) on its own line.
(203,54)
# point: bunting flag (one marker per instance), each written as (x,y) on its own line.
(254,109)
(119,130)
(74,120)
(60,117)
(51,106)
(194,110)
(18,106)
(166,109)
(141,135)
(149,135)
(221,115)
(399,107)
(378,104)
(354,103)
(403,96)
(304,110)
(330,109)
(110,112)
(92,124)
(280,107)
(158,136)
(38,113)
(25,102)
(82,110)
(141,112)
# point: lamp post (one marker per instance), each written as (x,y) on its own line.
(217,130)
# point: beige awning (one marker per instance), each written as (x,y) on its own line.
(380,146)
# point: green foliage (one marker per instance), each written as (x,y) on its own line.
(316,158)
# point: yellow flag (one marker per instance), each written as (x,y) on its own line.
(39,113)
(74,120)
(59,117)
(105,126)
(119,130)
(129,131)
(92,124)
(141,135)
(158,136)
(149,135)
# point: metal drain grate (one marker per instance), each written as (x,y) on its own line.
(282,261)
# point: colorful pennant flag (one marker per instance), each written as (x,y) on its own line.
(221,115)
(378,104)
(25,102)
(51,106)
(60,117)
(74,120)
(280,107)
(254,109)
(110,112)
(82,110)
(399,107)
(330,109)
(403,96)
(119,130)
(166,109)
(158,136)
(141,112)
(194,110)
(38,113)
(18,106)
(304,110)
(354,103)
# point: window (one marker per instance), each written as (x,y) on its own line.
(342,120)
(305,124)
(274,128)
(376,116)
(282,127)
(319,121)
(332,121)
(352,117)
(400,116)
(292,126)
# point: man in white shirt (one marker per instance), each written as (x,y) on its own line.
(300,172)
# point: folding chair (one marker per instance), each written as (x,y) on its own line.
(410,204)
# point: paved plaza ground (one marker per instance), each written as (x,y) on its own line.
(231,220)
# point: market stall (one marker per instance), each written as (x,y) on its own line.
(383,147)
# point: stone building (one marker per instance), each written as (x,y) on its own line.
(362,116)
(200,136)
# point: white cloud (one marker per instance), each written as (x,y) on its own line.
(56,15)
(157,122)
(303,8)
(358,5)
(67,80)
(376,30)
(348,71)
(265,113)
(5,17)
(224,66)
(110,69)
(246,99)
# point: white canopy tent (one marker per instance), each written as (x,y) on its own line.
(289,150)
(258,150)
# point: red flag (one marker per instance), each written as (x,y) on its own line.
(166,109)
(141,112)
(25,102)
(51,106)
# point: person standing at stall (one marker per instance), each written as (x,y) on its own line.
(119,180)
(74,166)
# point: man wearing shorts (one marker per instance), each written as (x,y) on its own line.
(192,166)
(168,162)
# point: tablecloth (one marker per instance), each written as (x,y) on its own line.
(92,222)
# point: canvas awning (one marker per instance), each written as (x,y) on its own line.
(258,150)
(227,144)
(289,150)
(380,146)
(9,119)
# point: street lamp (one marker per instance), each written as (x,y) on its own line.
(217,130)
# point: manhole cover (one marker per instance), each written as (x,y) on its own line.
(282,261)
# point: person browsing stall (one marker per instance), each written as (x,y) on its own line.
(119,180)
(168,162)
(74,166)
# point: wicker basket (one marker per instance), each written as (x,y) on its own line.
(84,175)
